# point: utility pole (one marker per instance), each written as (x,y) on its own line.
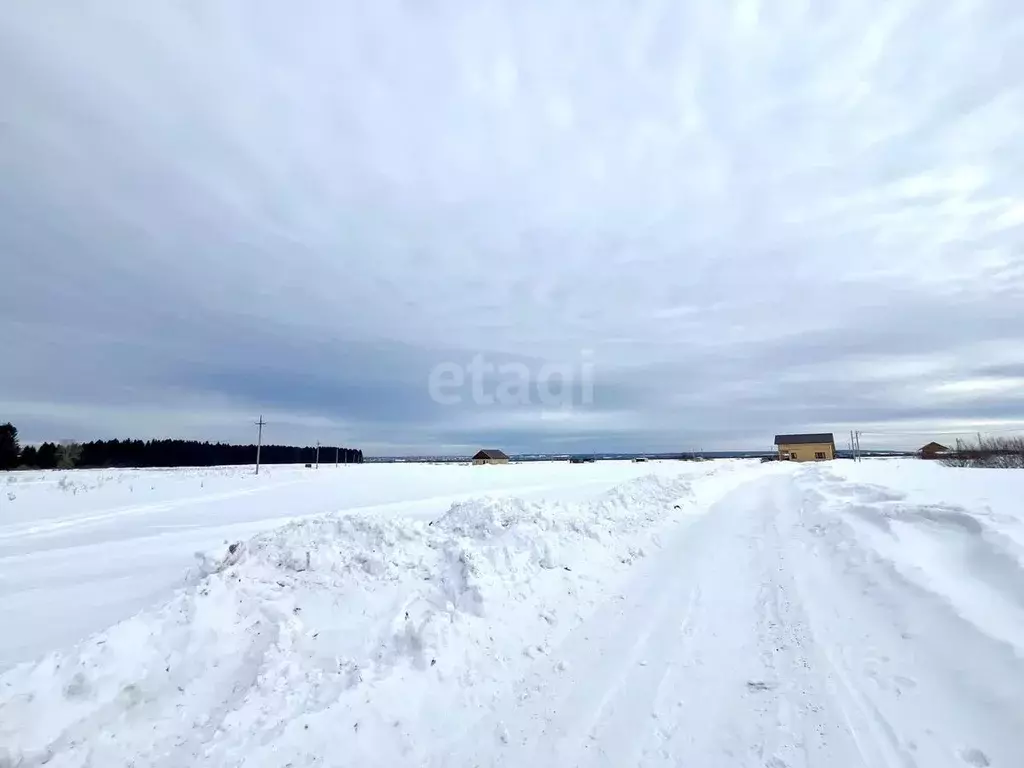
(336,452)
(318,454)
(259,442)
(856,437)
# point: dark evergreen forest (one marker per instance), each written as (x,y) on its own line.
(158,453)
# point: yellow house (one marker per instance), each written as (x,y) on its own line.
(490,456)
(814,447)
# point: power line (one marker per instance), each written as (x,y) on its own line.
(895,433)
(259,441)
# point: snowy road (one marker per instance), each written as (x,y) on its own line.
(727,614)
(759,636)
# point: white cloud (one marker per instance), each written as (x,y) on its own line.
(981,386)
(657,182)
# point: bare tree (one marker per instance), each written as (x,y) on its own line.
(1004,452)
(993,452)
(68,454)
(958,457)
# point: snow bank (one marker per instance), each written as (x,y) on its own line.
(955,534)
(74,563)
(333,638)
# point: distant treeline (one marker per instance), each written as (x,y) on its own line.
(157,453)
(192,453)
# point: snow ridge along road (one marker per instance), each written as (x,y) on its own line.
(732,614)
(83,550)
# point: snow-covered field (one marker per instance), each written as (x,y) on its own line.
(709,614)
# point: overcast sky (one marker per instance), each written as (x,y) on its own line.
(736,218)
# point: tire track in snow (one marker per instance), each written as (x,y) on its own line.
(814,681)
(563,711)
(752,695)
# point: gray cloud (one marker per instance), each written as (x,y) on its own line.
(757,218)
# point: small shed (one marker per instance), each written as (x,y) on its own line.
(820,446)
(490,456)
(932,450)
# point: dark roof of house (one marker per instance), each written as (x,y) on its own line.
(490,453)
(819,437)
(933,447)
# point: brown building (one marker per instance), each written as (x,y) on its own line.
(932,450)
(810,447)
(490,456)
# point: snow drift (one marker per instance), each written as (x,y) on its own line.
(332,633)
(964,556)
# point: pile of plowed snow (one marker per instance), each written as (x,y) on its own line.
(967,556)
(334,636)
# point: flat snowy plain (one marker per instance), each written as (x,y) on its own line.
(723,613)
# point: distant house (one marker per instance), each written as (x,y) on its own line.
(490,456)
(811,447)
(932,450)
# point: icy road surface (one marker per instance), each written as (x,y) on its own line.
(717,614)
